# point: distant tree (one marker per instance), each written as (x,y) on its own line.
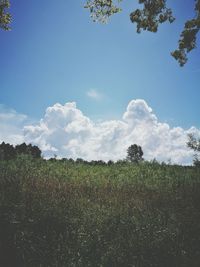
(93,162)
(196,161)
(121,162)
(194,144)
(35,151)
(23,148)
(134,153)
(5,17)
(153,13)
(100,162)
(7,151)
(79,160)
(110,162)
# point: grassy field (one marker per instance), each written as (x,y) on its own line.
(63,214)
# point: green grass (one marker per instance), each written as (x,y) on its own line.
(64,214)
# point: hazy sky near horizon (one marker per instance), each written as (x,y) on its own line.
(56,54)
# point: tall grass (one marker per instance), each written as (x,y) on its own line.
(64,214)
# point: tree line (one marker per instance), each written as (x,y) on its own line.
(8,151)
(134,153)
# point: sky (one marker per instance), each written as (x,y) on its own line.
(69,84)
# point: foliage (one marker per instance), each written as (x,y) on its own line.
(34,151)
(188,36)
(194,144)
(196,161)
(102,9)
(134,153)
(5,17)
(64,213)
(8,151)
(153,13)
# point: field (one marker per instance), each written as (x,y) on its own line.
(62,213)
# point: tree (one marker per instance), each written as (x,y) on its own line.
(7,151)
(153,13)
(34,151)
(194,144)
(110,162)
(79,160)
(134,153)
(5,17)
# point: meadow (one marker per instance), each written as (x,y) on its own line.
(73,214)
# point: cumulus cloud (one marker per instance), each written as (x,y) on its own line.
(67,132)
(94,94)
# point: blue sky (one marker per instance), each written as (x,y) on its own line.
(55,53)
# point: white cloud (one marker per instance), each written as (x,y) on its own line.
(67,132)
(11,125)
(94,94)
